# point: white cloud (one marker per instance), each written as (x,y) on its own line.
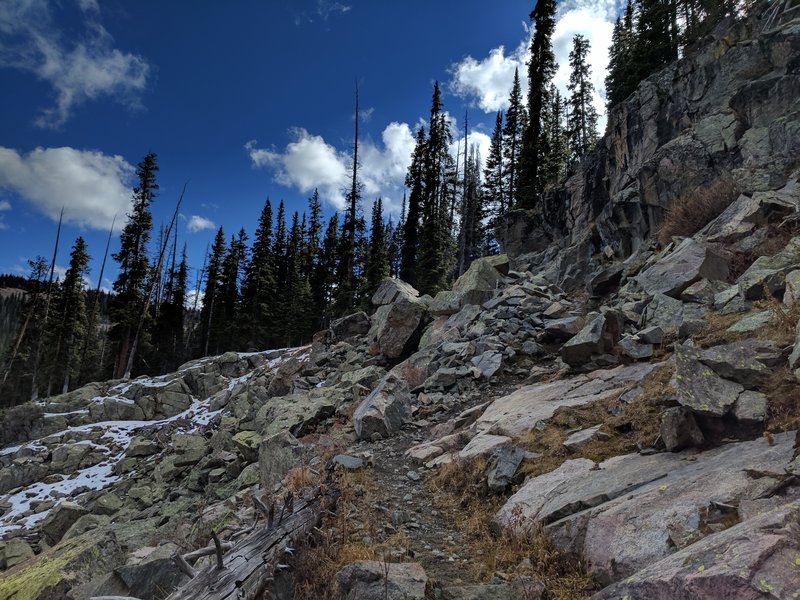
(310,162)
(325,8)
(197,223)
(91,186)
(78,70)
(487,81)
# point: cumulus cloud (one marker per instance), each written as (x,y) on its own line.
(487,81)
(91,186)
(310,162)
(77,70)
(197,223)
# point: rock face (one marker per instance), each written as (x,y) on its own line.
(699,117)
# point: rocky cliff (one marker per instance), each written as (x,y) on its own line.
(600,418)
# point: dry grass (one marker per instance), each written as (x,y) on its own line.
(781,328)
(716,330)
(461,490)
(688,214)
(783,402)
(317,563)
(300,478)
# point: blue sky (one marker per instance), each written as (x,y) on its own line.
(244,100)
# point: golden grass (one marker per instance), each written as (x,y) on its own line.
(460,489)
(689,213)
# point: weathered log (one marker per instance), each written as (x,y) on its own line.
(251,563)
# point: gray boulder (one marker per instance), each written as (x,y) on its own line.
(698,387)
(60,519)
(395,327)
(390,290)
(685,265)
(502,467)
(385,410)
(679,430)
(746,361)
(277,454)
(769,272)
(350,326)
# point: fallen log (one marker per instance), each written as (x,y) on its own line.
(250,565)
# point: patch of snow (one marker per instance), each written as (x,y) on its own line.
(82,411)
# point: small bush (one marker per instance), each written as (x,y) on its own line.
(689,213)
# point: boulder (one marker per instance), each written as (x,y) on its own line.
(150,571)
(483,444)
(651,335)
(488,363)
(564,328)
(13,552)
(107,504)
(685,265)
(679,429)
(141,446)
(750,407)
(483,274)
(390,290)
(503,467)
(633,349)
(607,280)
(189,448)
(247,443)
(752,560)
(703,291)
(698,387)
(746,361)
(385,410)
(60,519)
(769,272)
(277,454)
(596,337)
(350,326)
(297,413)
(395,327)
(794,357)
(373,580)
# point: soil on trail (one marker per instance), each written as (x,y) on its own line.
(397,509)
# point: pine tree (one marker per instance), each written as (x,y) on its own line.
(134,264)
(328,267)
(436,245)
(516,123)
(411,226)
(227,296)
(348,270)
(397,241)
(554,162)
(295,301)
(377,262)
(583,115)
(621,80)
(656,42)
(541,69)
(472,234)
(209,314)
(258,302)
(67,336)
(493,172)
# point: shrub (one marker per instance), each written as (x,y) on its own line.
(689,213)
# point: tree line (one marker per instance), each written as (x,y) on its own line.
(301,271)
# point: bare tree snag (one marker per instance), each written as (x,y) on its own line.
(251,563)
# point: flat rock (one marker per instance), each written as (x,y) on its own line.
(483,444)
(373,580)
(752,322)
(745,361)
(622,514)
(769,272)
(517,413)
(581,439)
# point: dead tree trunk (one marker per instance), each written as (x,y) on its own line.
(251,564)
